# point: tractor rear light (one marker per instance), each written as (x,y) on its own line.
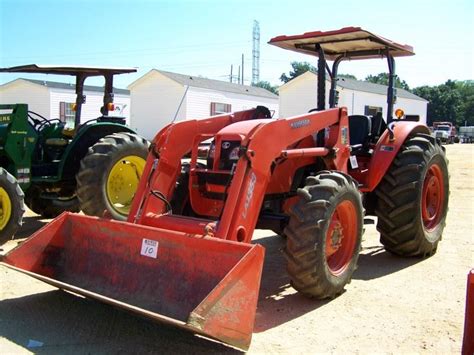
(399,113)
(110,106)
(74,107)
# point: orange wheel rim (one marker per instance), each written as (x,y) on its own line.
(341,238)
(432,197)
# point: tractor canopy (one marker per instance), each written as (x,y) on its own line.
(349,42)
(68,70)
(81,73)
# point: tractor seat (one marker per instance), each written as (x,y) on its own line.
(68,132)
(360,129)
(378,127)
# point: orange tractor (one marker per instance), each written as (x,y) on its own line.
(185,255)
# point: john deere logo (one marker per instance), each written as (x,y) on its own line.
(5,118)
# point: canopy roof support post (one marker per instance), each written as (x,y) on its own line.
(391,91)
(321,78)
(80,98)
(333,97)
(108,93)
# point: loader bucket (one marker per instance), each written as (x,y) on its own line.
(206,285)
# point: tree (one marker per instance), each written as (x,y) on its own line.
(302,67)
(382,79)
(347,76)
(466,90)
(266,85)
(452,101)
(298,69)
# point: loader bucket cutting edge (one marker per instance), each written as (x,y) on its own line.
(206,285)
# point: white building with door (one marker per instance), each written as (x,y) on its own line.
(54,100)
(158,97)
(299,95)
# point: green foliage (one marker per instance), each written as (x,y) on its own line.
(302,67)
(298,69)
(266,85)
(347,76)
(452,101)
(382,79)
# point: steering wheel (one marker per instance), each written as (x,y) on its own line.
(40,121)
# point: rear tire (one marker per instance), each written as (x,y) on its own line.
(12,206)
(109,174)
(324,235)
(412,198)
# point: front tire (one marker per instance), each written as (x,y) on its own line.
(109,174)
(324,235)
(12,206)
(412,198)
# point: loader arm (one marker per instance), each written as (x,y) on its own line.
(263,143)
(163,163)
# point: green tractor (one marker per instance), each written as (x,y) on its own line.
(94,166)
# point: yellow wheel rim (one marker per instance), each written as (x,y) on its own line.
(122,182)
(5,208)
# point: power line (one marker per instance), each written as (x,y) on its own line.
(123,53)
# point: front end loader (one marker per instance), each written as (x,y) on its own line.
(185,255)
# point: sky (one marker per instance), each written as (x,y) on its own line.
(205,37)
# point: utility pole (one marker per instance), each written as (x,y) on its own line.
(230,77)
(256,53)
(242,69)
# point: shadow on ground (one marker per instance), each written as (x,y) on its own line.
(280,303)
(375,262)
(67,324)
(30,225)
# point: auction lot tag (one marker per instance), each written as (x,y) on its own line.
(149,248)
(353,161)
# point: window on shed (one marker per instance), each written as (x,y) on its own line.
(66,113)
(372,110)
(218,108)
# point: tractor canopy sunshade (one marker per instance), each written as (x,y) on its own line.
(348,42)
(68,70)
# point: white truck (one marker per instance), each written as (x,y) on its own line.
(445,132)
(466,134)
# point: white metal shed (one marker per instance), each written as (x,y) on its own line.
(157,95)
(298,96)
(54,99)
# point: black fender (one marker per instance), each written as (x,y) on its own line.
(85,138)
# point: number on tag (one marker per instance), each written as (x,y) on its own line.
(149,248)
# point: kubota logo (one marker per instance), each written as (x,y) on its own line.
(249,196)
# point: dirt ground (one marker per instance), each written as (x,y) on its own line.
(393,305)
